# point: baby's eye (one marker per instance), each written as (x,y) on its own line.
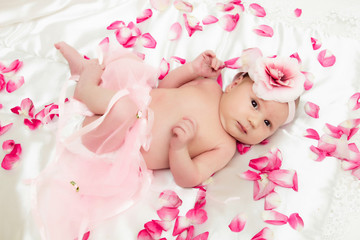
(267,123)
(254,104)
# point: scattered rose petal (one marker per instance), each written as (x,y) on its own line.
(264,234)
(257,10)
(86,235)
(219,80)
(32,123)
(233,63)
(272,201)
(160,5)
(202,236)
(8,145)
(296,222)
(11,158)
(175,31)
(144,235)
(164,68)
(13,67)
(228,22)
(200,199)
(237,224)
(312,109)
(146,14)
(296,56)
(181,224)
(242,148)
(298,12)
(148,41)
(154,228)
(123,35)
(116,25)
(167,213)
(191,24)
(178,59)
(14,84)
(264,31)
(326,58)
(183,6)
(274,217)
(26,108)
(316,44)
(225,7)
(169,198)
(309,80)
(2,82)
(321,153)
(354,101)
(250,175)
(209,19)
(197,216)
(284,178)
(312,133)
(5,128)
(262,188)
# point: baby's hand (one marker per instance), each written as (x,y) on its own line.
(183,132)
(207,65)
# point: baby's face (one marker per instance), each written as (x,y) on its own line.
(248,118)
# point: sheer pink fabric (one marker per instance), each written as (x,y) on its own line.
(82,187)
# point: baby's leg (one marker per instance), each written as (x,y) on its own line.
(73,57)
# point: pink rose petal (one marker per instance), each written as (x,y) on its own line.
(312,109)
(2,82)
(296,56)
(356,173)
(354,101)
(160,5)
(32,123)
(154,228)
(197,216)
(116,25)
(86,235)
(298,12)
(264,234)
(167,213)
(250,175)
(225,7)
(5,128)
(272,201)
(14,66)
(11,158)
(309,80)
(228,22)
(8,145)
(296,222)
(191,24)
(209,19)
(14,84)
(237,224)
(326,58)
(183,6)
(200,199)
(262,188)
(202,236)
(242,148)
(148,41)
(274,217)
(164,68)
(169,198)
(146,14)
(283,178)
(257,10)
(175,31)
(123,35)
(233,63)
(264,31)
(316,44)
(219,80)
(312,133)
(178,59)
(144,235)
(181,224)
(322,153)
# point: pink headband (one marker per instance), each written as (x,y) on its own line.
(275,78)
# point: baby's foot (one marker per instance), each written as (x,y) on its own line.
(73,57)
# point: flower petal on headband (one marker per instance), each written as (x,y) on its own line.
(278,79)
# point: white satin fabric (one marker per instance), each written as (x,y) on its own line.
(328,198)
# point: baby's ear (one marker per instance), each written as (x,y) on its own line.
(236,80)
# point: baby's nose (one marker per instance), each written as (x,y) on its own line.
(255,120)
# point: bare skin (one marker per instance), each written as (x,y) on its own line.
(197,137)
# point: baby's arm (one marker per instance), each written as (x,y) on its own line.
(190,172)
(205,65)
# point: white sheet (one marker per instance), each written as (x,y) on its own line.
(328,199)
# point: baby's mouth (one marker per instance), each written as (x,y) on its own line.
(242,128)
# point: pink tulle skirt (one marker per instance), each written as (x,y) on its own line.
(82,188)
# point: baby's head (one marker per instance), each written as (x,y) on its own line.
(262,97)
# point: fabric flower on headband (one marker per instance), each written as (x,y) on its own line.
(275,78)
